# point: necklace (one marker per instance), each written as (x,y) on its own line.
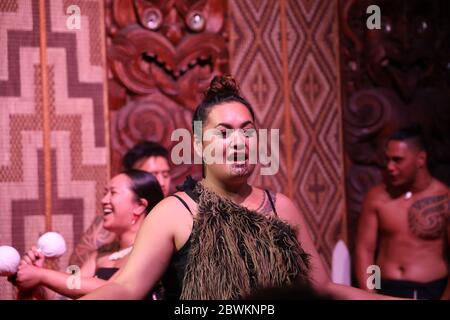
(409,194)
(260,207)
(120,254)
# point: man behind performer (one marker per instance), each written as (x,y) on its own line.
(404,225)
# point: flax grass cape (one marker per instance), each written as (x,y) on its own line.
(236,251)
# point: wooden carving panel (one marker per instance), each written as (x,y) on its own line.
(162,56)
(391,78)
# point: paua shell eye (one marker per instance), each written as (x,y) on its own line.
(195,21)
(152,19)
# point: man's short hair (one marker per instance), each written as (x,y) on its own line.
(412,134)
(143,150)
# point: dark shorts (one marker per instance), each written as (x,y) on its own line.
(409,289)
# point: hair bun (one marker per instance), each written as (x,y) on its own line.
(224,85)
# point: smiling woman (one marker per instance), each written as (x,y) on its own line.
(128,198)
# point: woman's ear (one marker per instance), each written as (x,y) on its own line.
(141,207)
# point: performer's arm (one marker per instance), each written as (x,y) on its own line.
(288,212)
(320,278)
(49,281)
(150,257)
(366,239)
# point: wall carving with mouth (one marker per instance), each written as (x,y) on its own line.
(391,78)
(162,56)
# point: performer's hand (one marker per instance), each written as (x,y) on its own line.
(28,277)
(33,257)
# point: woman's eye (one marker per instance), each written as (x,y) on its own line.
(249,133)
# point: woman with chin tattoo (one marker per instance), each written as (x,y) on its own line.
(129,197)
(220,237)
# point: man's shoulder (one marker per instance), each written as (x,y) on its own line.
(440,187)
(378,192)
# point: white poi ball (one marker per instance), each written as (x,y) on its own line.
(52,245)
(9,260)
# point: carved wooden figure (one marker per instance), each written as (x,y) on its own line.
(162,55)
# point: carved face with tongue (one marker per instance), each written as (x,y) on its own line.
(172,45)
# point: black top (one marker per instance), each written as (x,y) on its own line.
(173,277)
(105,273)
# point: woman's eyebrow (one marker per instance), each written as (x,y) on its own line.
(246,123)
(228,126)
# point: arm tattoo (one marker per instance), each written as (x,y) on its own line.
(426,217)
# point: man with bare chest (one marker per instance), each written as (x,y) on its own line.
(404,225)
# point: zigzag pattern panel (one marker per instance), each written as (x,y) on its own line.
(256,63)
(76,104)
(313,72)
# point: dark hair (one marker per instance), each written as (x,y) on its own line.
(222,89)
(143,150)
(145,186)
(412,134)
